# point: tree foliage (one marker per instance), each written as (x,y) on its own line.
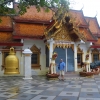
(23,5)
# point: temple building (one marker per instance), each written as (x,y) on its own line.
(71,34)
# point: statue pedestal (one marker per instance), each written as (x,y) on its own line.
(52,76)
(27,53)
(27,78)
(86,74)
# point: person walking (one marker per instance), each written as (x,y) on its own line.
(61,67)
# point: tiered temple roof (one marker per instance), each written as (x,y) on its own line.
(95,30)
(82,24)
(93,25)
(6,32)
(32,15)
(6,24)
(25,30)
(78,17)
(33,25)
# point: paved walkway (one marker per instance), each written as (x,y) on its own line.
(39,88)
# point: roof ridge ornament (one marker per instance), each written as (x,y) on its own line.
(82,6)
(96,14)
(88,22)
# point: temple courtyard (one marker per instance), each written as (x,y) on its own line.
(40,88)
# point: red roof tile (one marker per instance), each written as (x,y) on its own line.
(33,15)
(5,36)
(98,42)
(6,39)
(93,25)
(29,29)
(78,17)
(87,34)
(6,23)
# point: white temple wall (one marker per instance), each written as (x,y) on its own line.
(85,48)
(28,44)
(21,67)
(1,72)
(40,45)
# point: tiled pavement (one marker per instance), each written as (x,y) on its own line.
(40,88)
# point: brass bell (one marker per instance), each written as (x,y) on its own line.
(11,63)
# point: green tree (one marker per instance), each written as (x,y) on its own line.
(23,5)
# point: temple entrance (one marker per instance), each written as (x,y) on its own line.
(61,55)
(70,59)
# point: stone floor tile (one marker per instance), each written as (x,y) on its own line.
(50,93)
(66,98)
(43,97)
(89,90)
(88,98)
(45,85)
(73,86)
(7,94)
(56,88)
(72,89)
(23,96)
(90,94)
(40,88)
(33,91)
(66,93)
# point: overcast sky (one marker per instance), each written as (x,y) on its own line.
(90,8)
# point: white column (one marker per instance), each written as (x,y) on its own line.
(66,60)
(75,57)
(51,49)
(27,63)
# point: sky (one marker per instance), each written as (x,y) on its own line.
(91,8)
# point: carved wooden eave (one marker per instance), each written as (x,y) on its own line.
(74,30)
(63,34)
(62,45)
(58,20)
(96,51)
(79,50)
(64,28)
(35,49)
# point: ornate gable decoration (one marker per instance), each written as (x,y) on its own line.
(79,49)
(95,51)
(35,49)
(62,34)
(61,45)
(63,27)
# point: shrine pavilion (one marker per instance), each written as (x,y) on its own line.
(71,34)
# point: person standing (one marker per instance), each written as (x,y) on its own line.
(61,67)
